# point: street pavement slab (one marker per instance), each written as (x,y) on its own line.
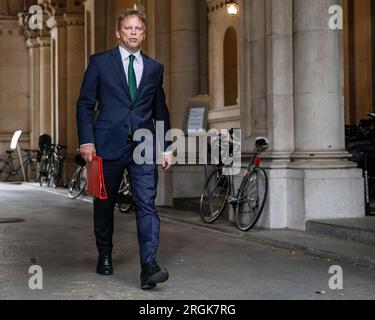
(56,233)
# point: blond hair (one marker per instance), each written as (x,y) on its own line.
(139,12)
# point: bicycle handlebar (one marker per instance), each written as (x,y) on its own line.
(30,150)
(58,146)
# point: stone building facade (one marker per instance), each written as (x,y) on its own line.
(275,69)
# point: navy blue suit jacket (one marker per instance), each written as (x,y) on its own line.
(105,83)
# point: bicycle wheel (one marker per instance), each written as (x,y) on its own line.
(125,202)
(54,174)
(4,171)
(44,172)
(32,171)
(77,184)
(251,199)
(125,183)
(214,196)
(125,197)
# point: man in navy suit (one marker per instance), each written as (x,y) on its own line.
(128,87)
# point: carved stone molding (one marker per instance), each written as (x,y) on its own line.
(60,7)
(32,43)
(63,12)
(74,19)
(24,27)
(54,7)
(24,18)
(44,42)
(215,5)
(75,6)
(28,3)
(56,21)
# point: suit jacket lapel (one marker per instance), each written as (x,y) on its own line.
(119,68)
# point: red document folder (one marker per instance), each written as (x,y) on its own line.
(95,178)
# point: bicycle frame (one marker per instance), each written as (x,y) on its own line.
(10,163)
(52,164)
(28,159)
(255,162)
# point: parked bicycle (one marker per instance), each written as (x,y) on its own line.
(360,143)
(51,165)
(78,182)
(29,162)
(248,202)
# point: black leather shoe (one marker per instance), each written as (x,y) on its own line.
(152,274)
(104,266)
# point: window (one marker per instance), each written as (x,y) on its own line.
(230,68)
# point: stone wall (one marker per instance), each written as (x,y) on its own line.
(14,93)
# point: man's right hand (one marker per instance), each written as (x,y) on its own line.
(87,152)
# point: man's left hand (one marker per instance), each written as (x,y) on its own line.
(167,162)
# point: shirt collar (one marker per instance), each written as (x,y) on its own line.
(125,54)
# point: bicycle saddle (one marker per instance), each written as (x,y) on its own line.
(9,151)
(261,143)
(44,140)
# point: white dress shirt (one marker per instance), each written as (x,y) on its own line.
(137,64)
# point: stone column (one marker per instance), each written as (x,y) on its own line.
(75,68)
(158,37)
(100,23)
(33,47)
(32,37)
(319,112)
(203,46)
(89,25)
(158,47)
(95,27)
(253,76)
(276,83)
(57,26)
(185,77)
(45,85)
(279,55)
(185,83)
(332,187)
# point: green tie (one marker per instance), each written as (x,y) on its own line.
(132,81)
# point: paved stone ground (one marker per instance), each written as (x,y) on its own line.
(57,234)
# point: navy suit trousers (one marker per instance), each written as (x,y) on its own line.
(144,179)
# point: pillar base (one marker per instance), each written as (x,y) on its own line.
(298,195)
(321,160)
(165,192)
